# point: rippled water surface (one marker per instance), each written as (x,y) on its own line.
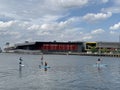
(66,73)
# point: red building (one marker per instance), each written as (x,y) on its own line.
(52,46)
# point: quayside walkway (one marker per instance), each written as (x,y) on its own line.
(66,53)
(86,54)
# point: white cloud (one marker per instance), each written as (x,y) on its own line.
(9,33)
(5,17)
(15,31)
(115,26)
(116,2)
(55,25)
(12,31)
(114,8)
(87,37)
(47,19)
(105,1)
(112,32)
(34,27)
(97,31)
(6,24)
(73,3)
(98,2)
(94,35)
(71,34)
(28,10)
(96,17)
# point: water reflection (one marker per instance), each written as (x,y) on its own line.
(45,69)
(20,71)
(99,69)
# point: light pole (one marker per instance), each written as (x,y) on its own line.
(118,46)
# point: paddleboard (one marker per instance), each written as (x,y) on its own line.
(22,65)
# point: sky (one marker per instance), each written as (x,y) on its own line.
(59,20)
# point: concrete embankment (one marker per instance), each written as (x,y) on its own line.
(65,53)
(84,54)
(106,55)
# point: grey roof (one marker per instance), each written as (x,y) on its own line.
(26,43)
(108,44)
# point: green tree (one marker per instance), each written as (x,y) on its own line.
(105,50)
(93,49)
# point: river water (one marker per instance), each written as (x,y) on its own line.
(66,72)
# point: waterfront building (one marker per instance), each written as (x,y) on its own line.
(89,46)
(108,47)
(47,47)
(67,47)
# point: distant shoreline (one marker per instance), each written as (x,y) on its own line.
(86,54)
(64,53)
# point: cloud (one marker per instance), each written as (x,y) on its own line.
(18,31)
(116,2)
(62,30)
(12,31)
(6,24)
(115,26)
(34,27)
(105,1)
(96,17)
(61,35)
(34,9)
(98,2)
(97,31)
(53,25)
(87,37)
(114,8)
(113,32)
(7,33)
(73,3)
(94,34)
(5,17)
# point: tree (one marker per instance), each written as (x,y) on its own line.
(105,50)
(93,49)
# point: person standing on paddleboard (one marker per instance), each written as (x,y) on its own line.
(45,66)
(98,62)
(20,63)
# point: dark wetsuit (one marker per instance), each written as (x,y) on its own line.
(20,63)
(45,63)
